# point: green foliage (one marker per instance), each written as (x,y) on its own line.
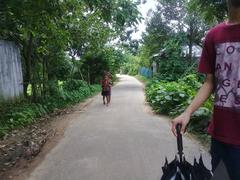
(143,79)
(16,115)
(94,63)
(166,96)
(48,29)
(172,98)
(173,30)
(45,30)
(131,65)
(61,68)
(192,80)
(73,85)
(172,65)
(212,11)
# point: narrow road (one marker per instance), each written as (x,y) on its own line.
(124,141)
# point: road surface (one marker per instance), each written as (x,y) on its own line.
(123,141)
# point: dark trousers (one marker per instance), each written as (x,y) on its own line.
(229,154)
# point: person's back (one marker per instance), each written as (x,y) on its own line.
(106,89)
(106,84)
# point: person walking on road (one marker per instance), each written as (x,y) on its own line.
(220,61)
(106,88)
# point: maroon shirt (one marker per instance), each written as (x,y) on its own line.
(106,84)
(221,57)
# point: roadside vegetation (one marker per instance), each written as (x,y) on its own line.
(172,43)
(19,114)
(65,47)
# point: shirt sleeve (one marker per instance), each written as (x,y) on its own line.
(208,57)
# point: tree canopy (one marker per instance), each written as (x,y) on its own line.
(48,31)
(178,19)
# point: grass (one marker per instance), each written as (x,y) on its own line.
(14,115)
(142,79)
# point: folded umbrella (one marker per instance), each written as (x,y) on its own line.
(180,169)
(200,171)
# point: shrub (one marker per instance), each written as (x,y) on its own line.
(72,85)
(172,98)
(15,115)
(166,96)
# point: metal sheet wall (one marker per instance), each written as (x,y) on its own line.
(11,77)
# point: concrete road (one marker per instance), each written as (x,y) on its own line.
(124,141)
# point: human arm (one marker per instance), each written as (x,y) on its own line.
(202,95)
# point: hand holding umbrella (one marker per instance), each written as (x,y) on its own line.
(180,169)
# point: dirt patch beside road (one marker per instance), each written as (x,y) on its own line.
(22,150)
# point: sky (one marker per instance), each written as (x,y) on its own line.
(144,8)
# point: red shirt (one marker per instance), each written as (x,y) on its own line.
(106,84)
(221,57)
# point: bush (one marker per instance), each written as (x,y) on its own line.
(166,96)
(73,85)
(192,80)
(131,66)
(171,69)
(172,63)
(172,98)
(15,115)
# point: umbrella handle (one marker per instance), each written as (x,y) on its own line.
(179,141)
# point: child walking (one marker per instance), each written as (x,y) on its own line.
(106,89)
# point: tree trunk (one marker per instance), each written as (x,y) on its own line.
(190,54)
(190,49)
(89,80)
(72,70)
(81,74)
(52,80)
(43,76)
(28,68)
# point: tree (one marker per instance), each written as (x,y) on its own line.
(212,11)
(157,32)
(174,19)
(46,30)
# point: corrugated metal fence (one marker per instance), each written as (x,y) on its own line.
(11,78)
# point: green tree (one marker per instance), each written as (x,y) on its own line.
(46,30)
(212,11)
(174,19)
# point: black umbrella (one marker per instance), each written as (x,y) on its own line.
(180,169)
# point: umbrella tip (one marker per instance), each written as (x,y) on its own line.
(184,159)
(195,160)
(166,161)
(201,160)
(164,168)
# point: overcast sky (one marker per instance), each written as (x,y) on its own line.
(144,8)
